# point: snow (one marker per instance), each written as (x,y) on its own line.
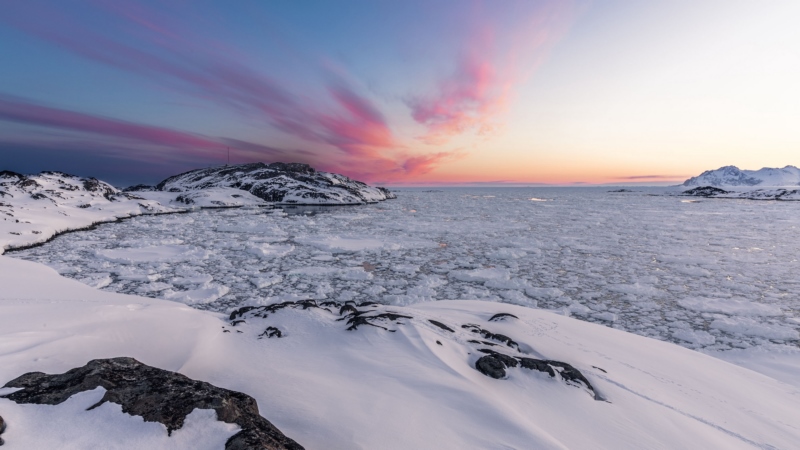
(277,182)
(219,197)
(733,176)
(66,426)
(713,276)
(331,388)
(646,264)
(152,254)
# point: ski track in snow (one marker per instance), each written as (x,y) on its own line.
(708,275)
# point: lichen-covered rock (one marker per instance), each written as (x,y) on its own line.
(156,395)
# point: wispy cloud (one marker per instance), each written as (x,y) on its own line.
(653,177)
(160,48)
(482,82)
(185,146)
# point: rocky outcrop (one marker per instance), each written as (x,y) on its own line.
(494,365)
(285,183)
(705,191)
(157,396)
(749,194)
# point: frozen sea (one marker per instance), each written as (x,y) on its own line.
(706,274)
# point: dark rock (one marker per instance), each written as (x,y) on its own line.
(438,342)
(348,309)
(705,191)
(139,188)
(501,316)
(95,185)
(157,396)
(271,332)
(441,325)
(493,336)
(14,176)
(358,320)
(185,199)
(537,364)
(494,365)
(2,422)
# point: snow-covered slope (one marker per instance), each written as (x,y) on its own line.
(291,183)
(733,176)
(747,194)
(36,207)
(411,385)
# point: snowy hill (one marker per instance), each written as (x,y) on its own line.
(283,183)
(410,379)
(34,208)
(733,176)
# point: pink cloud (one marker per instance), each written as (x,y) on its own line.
(188,144)
(146,44)
(481,85)
(348,131)
(467,100)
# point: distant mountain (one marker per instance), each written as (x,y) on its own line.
(291,183)
(733,176)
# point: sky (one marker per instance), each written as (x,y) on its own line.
(401,93)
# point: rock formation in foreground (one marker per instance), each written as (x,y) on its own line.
(291,183)
(156,395)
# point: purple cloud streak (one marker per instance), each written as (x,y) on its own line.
(157,47)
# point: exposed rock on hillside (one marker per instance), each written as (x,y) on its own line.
(156,395)
(493,364)
(290,183)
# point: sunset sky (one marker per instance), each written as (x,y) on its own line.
(403,92)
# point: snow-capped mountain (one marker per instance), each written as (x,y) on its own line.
(283,183)
(733,176)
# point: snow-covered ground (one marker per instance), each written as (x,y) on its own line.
(330,388)
(712,275)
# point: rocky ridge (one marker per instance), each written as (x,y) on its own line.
(282,183)
(751,194)
(157,396)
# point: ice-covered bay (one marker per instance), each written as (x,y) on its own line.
(711,274)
